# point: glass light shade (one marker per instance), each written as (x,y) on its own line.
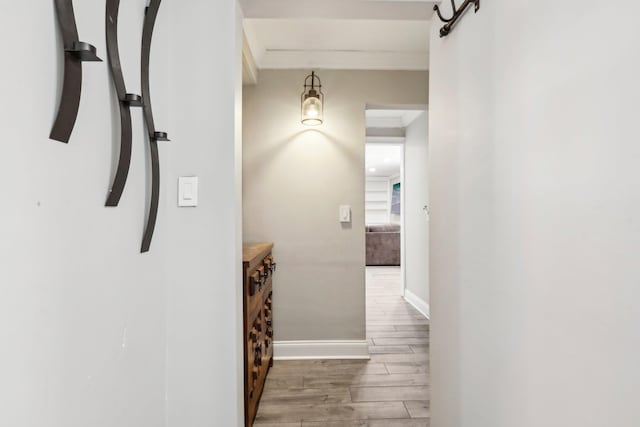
(312,101)
(312,111)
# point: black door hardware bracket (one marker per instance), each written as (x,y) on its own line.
(457,13)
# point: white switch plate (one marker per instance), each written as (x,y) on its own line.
(345,213)
(188,191)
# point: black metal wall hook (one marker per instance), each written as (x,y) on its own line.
(150,15)
(457,13)
(75,53)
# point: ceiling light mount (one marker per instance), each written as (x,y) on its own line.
(312,101)
(457,13)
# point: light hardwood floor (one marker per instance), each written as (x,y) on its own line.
(391,389)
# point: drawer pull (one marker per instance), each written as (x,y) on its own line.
(257,358)
(255,282)
(269,264)
(256,276)
(262,273)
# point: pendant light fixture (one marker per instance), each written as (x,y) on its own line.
(312,101)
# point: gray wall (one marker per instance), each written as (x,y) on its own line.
(204,300)
(294,180)
(535,226)
(416,196)
(94,333)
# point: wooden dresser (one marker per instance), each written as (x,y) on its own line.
(258,266)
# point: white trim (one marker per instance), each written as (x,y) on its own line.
(421,10)
(390,140)
(283,59)
(249,67)
(302,350)
(417,302)
(403,210)
(385,121)
(385,132)
(420,107)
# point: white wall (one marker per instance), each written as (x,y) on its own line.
(377,200)
(535,194)
(295,178)
(205,358)
(94,333)
(416,220)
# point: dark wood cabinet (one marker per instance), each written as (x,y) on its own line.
(259,268)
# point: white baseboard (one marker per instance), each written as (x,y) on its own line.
(417,302)
(302,350)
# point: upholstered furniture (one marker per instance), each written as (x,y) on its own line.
(383,244)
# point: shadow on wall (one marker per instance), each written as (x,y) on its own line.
(311,138)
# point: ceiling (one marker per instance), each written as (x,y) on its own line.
(342,9)
(384,156)
(338,34)
(383,160)
(391,118)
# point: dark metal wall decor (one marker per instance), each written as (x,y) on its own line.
(128,100)
(125,102)
(75,53)
(151,14)
(457,13)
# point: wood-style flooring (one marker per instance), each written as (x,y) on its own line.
(391,389)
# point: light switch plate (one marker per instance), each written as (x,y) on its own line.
(188,191)
(345,213)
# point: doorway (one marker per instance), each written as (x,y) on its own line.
(396,198)
(383,209)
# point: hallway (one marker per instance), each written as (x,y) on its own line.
(391,389)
